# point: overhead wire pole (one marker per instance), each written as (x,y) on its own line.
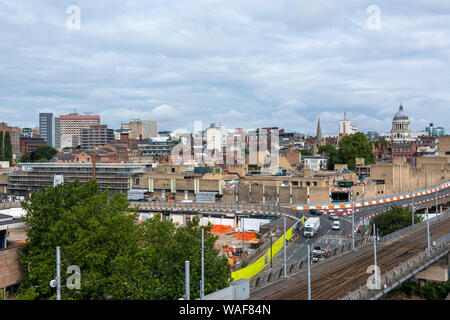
(202,281)
(428,235)
(284,249)
(437,202)
(412,210)
(375,252)
(353,224)
(187,280)
(309,272)
(58,274)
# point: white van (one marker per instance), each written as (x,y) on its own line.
(336,225)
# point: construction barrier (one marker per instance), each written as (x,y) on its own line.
(219,228)
(252,270)
(246,235)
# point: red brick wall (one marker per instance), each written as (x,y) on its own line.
(9,267)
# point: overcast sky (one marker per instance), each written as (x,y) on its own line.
(244,63)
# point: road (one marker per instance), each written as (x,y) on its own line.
(345,273)
(327,238)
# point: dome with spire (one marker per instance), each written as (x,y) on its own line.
(401,115)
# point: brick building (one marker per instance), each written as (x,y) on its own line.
(28,144)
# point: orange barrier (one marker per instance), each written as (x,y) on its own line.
(219,228)
(247,236)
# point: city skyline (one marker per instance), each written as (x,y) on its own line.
(245,65)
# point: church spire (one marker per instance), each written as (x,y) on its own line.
(319,131)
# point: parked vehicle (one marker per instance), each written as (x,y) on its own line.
(334,216)
(336,225)
(312,225)
(317,253)
(315,212)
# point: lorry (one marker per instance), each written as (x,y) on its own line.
(312,225)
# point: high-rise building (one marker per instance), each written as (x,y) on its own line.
(149,129)
(73,123)
(50,129)
(46,127)
(346,127)
(144,129)
(96,136)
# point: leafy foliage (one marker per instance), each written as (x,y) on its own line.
(157,270)
(305,152)
(2,156)
(430,291)
(395,219)
(118,258)
(7,148)
(332,154)
(355,146)
(42,154)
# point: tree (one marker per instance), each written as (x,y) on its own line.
(7,148)
(2,157)
(41,154)
(305,152)
(332,154)
(157,270)
(92,229)
(395,219)
(118,258)
(355,146)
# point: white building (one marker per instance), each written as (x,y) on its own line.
(346,127)
(401,130)
(315,163)
(68,141)
(215,136)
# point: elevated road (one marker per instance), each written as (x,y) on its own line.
(345,273)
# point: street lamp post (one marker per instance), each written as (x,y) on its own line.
(58,274)
(428,235)
(284,250)
(375,252)
(412,210)
(271,250)
(187,279)
(202,283)
(309,272)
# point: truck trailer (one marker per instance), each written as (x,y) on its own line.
(312,225)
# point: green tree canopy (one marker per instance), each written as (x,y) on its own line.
(305,152)
(395,219)
(355,146)
(42,154)
(118,258)
(2,156)
(332,154)
(7,148)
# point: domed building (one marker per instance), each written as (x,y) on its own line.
(401,130)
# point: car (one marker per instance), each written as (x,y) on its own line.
(336,225)
(315,212)
(334,216)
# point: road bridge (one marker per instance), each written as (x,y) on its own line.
(337,277)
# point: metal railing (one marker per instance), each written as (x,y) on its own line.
(392,279)
(218,206)
(406,230)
